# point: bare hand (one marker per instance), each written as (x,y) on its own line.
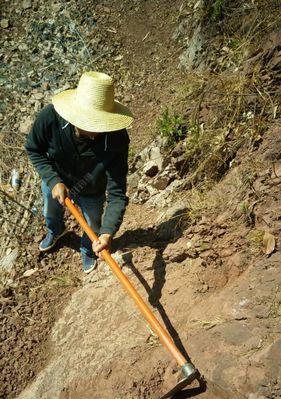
(103,242)
(60,192)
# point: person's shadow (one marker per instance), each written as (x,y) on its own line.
(158,238)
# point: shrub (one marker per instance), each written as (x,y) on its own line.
(171,126)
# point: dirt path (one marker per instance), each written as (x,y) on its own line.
(100,347)
(208,280)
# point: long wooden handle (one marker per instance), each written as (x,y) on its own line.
(148,315)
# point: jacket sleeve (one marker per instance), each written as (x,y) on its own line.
(116,194)
(37,145)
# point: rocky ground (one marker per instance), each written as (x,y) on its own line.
(201,237)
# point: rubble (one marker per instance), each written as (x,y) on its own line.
(155,169)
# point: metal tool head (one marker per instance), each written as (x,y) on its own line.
(190,374)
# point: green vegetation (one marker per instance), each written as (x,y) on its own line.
(171,126)
(131,153)
(216,10)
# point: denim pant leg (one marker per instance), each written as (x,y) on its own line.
(52,211)
(92,209)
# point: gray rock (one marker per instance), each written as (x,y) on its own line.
(133,180)
(30,272)
(4,23)
(164,198)
(8,262)
(143,155)
(151,190)
(189,57)
(156,156)
(160,142)
(26,125)
(26,4)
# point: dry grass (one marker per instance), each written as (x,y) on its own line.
(229,108)
(255,239)
(229,104)
(227,113)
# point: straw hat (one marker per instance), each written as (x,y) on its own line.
(91,106)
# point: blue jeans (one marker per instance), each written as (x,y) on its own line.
(91,207)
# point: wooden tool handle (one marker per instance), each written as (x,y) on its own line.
(148,315)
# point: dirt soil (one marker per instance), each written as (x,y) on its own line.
(221,305)
(65,336)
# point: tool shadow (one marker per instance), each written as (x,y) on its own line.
(157,238)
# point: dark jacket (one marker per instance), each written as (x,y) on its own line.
(85,166)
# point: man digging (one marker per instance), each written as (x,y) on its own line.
(79,146)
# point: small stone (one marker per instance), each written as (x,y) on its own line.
(118,57)
(26,4)
(38,238)
(38,96)
(5,23)
(26,125)
(57,7)
(29,272)
(45,86)
(127,99)
(204,288)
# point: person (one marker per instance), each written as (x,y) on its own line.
(79,146)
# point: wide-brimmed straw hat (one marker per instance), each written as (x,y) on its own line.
(92,106)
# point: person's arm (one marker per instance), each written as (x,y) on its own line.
(116,202)
(37,147)
(116,194)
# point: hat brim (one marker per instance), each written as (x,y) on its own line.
(90,119)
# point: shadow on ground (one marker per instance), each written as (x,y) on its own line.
(158,238)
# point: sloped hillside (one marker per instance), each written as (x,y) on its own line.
(201,236)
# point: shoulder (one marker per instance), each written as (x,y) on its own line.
(47,113)
(48,118)
(119,140)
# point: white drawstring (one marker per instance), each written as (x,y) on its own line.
(105,142)
(65,125)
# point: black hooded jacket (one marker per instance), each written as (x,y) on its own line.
(85,166)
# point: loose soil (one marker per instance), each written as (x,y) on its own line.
(66,336)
